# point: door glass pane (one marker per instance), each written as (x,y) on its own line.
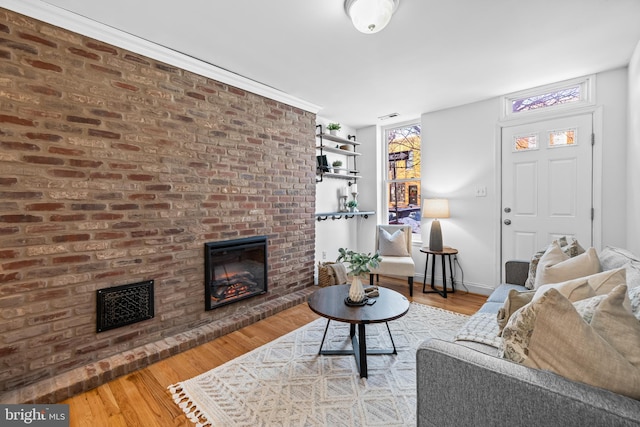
(561,138)
(525,143)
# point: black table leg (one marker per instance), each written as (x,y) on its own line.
(433,290)
(359,347)
(453,283)
(362,350)
(444,277)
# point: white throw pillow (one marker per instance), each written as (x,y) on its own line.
(392,244)
(555,266)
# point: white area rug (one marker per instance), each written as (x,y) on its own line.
(286,382)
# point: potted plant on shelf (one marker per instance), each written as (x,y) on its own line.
(360,264)
(352,205)
(336,166)
(333,128)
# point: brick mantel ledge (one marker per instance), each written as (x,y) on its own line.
(65,385)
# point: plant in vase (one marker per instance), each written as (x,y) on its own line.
(333,128)
(352,205)
(336,166)
(360,264)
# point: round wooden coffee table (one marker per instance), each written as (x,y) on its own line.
(329,302)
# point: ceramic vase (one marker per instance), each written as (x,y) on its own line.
(356,291)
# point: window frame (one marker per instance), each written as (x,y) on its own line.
(587,98)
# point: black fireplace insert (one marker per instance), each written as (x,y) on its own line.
(234,270)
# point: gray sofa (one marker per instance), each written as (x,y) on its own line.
(465,383)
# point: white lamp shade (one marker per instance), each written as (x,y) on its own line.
(435,208)
(370,16)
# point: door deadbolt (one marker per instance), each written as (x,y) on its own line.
(507,210)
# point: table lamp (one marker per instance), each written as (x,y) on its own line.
(435,208)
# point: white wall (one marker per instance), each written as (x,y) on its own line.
(633,154)
(611,94)
(460,152)
(332,234)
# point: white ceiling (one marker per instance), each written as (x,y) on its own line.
(433,54)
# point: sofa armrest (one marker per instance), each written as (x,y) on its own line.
(458,386)
(516,272)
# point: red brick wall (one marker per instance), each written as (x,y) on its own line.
(115,168)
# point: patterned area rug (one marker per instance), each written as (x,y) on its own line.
(286,382)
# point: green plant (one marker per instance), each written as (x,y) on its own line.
(333,126)
(352,204)
(337,163)
(359,262)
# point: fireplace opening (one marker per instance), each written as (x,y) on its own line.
(234,270)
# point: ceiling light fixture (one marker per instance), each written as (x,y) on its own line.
(370,16)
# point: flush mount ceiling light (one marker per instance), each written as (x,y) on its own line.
(370,16)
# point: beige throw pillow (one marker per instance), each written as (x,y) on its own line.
(572,249)
(617,325)
(573,290)
(549,334)
(555,266)
(392,244)
(605,282)
(515,300)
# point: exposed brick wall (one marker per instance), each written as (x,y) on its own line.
(115,168)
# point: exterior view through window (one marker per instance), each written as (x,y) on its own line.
(403,175)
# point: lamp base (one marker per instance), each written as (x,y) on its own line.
(435,236)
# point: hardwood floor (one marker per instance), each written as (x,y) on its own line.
(142,399)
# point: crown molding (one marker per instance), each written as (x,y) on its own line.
(62,18)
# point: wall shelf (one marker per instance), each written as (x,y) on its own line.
(327,144)
(346,215)
(342,176)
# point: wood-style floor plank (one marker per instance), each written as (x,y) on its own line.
(142,399)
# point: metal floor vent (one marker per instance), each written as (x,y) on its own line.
(123,305)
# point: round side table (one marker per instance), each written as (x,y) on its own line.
(446,252)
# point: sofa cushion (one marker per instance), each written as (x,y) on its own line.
(549,334)
(555,266)
(611,258)
(572,249)
(500,293)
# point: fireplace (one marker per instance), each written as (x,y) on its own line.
(234,270)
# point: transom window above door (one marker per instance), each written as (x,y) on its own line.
(570,94)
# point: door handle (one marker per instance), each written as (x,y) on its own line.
(507,222)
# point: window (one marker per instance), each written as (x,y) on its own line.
(564,95)
(403,175)
(556,97)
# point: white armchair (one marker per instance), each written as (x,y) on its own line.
(393,242)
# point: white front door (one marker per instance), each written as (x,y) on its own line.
(547,183)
